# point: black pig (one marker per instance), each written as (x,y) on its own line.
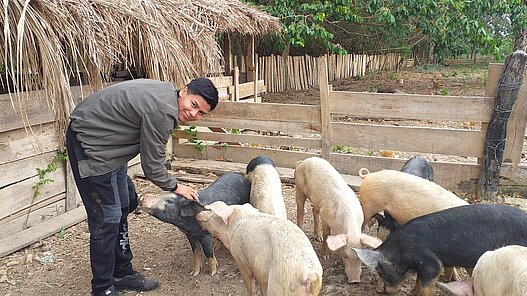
(453,237)
(169,207)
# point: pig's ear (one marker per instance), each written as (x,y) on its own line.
(369,241)
(458,288)
(336,242)
(370,258)
(191,209)
(221,209)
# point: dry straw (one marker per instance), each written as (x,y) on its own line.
(45,42)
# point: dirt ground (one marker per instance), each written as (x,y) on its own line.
(59,265)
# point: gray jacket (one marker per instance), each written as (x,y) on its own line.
(116,123)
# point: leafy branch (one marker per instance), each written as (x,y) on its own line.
(43,178)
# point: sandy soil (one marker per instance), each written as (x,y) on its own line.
(162,251)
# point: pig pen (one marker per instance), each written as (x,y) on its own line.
(59,265)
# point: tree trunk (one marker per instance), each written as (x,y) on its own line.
(430,53)
(521,40)
(508,87)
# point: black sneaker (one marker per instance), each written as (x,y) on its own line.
(108,292)
(136,282)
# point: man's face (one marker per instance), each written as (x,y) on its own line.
(191,107)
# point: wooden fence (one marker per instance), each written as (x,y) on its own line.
(289,132)
(285,132)
(301,72)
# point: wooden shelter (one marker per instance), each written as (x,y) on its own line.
(47,44)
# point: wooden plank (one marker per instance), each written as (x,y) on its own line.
(254,139)
(19,196)
(30,111)
(457,177)
(284,126)
(282,158)
(29,236)
(266,111)
(236,96)
(18,170)
(33,108)
(513,179)
(36,216)
(420,107)
(409,139)
(18,144)
(73,197)
(222,81)
(516,127)
(324,109)
(247,89)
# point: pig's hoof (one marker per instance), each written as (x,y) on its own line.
(318,238)
(353,281)
(325,257)
(194,273)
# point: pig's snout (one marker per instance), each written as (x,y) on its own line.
(147,202)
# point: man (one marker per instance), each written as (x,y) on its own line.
(106,130)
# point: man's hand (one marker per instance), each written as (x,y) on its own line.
(187,192)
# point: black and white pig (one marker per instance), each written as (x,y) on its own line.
(416,166)
(168,207)
(456,236)
(266,187)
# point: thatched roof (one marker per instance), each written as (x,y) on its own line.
(47,41)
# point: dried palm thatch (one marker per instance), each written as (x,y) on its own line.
(46,42)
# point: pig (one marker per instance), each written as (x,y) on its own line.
(456,236)
(267,249)
(266,188)
(403,196)
(337,206)
(499,272)
(169,207)
(416,166)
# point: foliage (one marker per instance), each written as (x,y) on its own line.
(193,132)
(445,28)
(43,178)
(59,157)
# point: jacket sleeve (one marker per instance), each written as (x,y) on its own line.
(156,128)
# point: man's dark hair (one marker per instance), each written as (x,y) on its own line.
(205,88)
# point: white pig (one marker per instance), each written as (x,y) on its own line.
(337,206)
(403,195)
(266,188)
(499,272)
(267,249)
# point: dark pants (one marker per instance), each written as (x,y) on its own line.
(108,200)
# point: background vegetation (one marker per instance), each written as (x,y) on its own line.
(430,30)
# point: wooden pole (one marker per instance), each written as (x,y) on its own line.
(227,53)
(236,77)
(250,64)
(324,108)
(508,88)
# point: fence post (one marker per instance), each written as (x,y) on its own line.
(508,88)
(73,198)
(324,108)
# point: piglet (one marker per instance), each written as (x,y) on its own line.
(403,196)
(267,249)
(337,206)
(169,207)
(453,237)
(416,166)
(266,187)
